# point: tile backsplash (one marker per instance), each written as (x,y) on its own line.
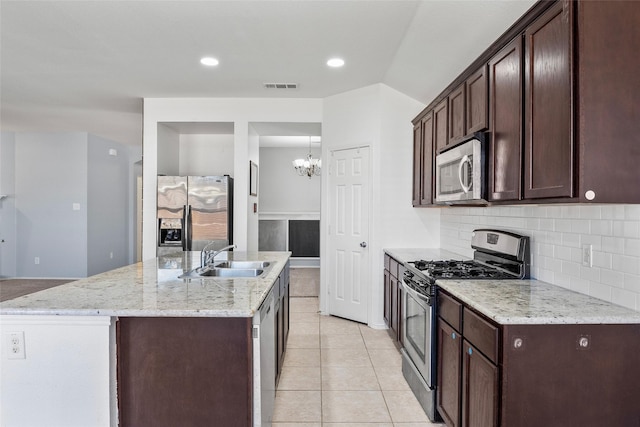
(558,234)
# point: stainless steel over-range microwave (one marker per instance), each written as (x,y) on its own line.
(460,174)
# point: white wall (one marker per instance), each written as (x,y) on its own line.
(168,159)
(107,206)
(64,380)
(379,117)
(202,155)
(282,190)
(8,205)
(557,235)
(46,174)
(50,177)
(241,112)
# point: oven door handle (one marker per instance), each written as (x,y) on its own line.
(415,295)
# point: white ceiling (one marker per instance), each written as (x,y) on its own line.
(87,65)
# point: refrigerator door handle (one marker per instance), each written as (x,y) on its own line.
(186,233)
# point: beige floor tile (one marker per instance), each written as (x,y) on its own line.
(386,358)
(305,282)
(304,328)
(302,357)
(296,424)
(298,378)
(303,341)
(349,378)
(341,341)
(337,326)
(379,342)
(391,379)
(347,357)
(303,317)
(367,331)
(297,406)
(404,407)
(354,406)
(425,424)
(357,425)
(305,305)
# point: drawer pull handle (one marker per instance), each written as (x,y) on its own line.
(453,335)
(470,351)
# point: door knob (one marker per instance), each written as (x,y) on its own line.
(363,244)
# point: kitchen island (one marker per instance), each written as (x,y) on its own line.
(528,353)
(139,346)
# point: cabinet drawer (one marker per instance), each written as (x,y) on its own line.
(450,310)
(394,267)
(482,334)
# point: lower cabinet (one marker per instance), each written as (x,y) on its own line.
(449,373)
(479,388)
(282,319)
(393,298)
(531,375)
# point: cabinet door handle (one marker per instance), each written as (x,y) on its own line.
(470,351)
(453,335)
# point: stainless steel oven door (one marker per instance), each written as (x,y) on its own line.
(417,331)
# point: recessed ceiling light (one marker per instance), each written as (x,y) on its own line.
(209,61)
(335,62)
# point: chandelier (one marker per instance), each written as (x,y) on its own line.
(309,166)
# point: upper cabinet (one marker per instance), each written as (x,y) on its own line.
(548,143)
(423,161)
(505,144)
(558,97)
(476,101)
(440,125)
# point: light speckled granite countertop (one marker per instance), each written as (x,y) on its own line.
(152,289)
(523,301)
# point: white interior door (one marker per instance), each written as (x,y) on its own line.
(349,283)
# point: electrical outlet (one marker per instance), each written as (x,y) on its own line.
(15,345)
(587,255)
(36,260)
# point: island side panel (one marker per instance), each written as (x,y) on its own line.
(184,371)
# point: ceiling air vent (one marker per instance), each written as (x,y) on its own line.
(281,85)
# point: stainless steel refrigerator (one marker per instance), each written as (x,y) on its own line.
(193,211)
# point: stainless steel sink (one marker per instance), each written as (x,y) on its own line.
(232,272)
(242,264)
(228,269)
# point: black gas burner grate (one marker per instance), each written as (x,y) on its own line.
(455,269)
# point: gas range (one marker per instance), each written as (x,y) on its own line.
(498,255)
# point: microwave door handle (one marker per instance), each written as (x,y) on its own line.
(462,176)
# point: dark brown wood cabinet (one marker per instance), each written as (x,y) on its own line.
(528,375)
(479,388)
(393,304)
(477,102)
(441,125)
(549,157)
(282,319)
(505,100)
(457,115)
(563,91)
(423,161)
(449,373)
(608,90)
